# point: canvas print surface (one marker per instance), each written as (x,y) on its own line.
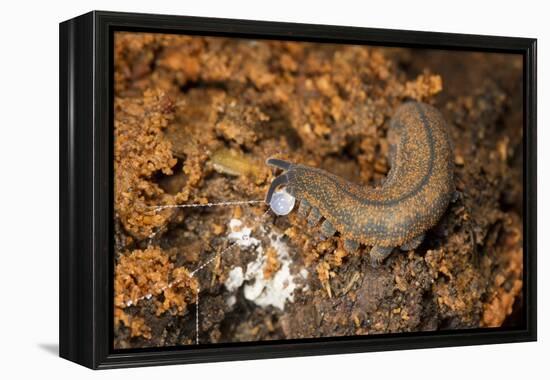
(277,190)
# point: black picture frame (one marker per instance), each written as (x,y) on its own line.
(86,188)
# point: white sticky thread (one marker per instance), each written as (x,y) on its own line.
(200,267)
(229,203)
(197,315)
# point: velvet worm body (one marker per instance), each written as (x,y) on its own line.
(412,199)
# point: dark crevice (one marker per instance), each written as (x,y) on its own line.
(200,84)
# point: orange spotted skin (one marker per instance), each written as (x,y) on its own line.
(412,199)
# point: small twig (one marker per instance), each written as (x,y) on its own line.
(356,276)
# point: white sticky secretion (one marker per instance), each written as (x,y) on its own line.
(231,301)
(282,202)
(277,290)
(235,279)
(241,235)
